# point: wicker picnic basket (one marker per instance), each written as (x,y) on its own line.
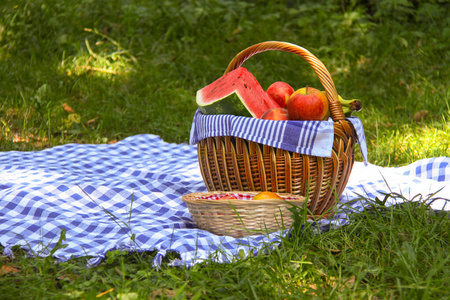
(230,163)
(241,216)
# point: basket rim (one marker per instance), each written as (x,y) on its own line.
(292,199)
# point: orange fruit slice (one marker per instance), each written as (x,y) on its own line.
(266,195)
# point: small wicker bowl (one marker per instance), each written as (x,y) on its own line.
(242,216)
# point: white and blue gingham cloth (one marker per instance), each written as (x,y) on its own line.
(305,137)
(127,196)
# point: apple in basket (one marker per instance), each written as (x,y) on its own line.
(280,92)
(308,104)
(277,114)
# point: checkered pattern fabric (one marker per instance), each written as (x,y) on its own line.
(127,196)
(426,180)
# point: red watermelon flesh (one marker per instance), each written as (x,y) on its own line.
(235,93)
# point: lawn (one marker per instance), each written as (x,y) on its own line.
(100,71)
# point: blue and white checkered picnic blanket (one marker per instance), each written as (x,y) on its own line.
(127,196)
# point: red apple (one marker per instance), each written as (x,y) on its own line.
(280,92)
(277,114)
(305,91)
(308,104)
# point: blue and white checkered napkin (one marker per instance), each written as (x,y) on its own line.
(305,137)
(127,196)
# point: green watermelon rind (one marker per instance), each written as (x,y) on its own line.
(231,104)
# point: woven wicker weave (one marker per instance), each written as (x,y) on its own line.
(241,217)
(231,163)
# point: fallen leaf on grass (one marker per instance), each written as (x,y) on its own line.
(364,62)
(5,269)
(419,43)
(67,277)
(67,108)
(310,288)
(92,121)
(167,293)
(237,30)
(420,115)
(163,292)
(104,293)
(344,282)
(333,251)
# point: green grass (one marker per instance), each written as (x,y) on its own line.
(99,71)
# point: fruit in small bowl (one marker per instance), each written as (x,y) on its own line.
(266,195)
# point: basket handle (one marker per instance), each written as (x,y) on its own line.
(319,68)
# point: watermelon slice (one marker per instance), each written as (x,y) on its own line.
(235,93)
